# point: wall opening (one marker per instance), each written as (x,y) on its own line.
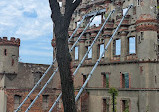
(101,49)
(138,2)
(96,21)
(76,53)
(132,45)
(45,103)
(124,11)
(125,106)
(117,47)
(125,80)
(89,56)
(17,101)
(5,52)
(37,77)
(60,4)
(105,105)
(106,77)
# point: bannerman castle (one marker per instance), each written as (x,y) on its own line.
(130,64)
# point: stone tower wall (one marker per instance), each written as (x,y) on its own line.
(9,54)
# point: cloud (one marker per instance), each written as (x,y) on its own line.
(30,21)
(30,18)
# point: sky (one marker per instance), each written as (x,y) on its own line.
(30,21)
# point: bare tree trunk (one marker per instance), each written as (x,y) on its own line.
(63,56)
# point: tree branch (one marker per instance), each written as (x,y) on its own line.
(56,13)
(69,9)
(75,4)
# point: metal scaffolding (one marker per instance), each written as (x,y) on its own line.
(95,39)
(78,39)
(96,64)
(85,16)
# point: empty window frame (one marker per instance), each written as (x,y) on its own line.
(132,45)
(124,11)
(45,103)
(78,22)
(106,77)
(106,105)
(84,78)
(37,76)
(17,101)
(125,80)
(60,4)
(90,52)
(125,106)
(76,52)
(117,47)
(138,2)
(101,49)
(96,21)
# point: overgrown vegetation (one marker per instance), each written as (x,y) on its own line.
(114,94)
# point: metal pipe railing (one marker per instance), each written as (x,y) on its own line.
(84,56)
(57,67)
(95,66)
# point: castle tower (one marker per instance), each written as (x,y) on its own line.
(9,54)
(146,27)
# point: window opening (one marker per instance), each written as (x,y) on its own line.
(45,102)
(101,49)
(17,101)
(106,80)
(132,45)
(96,21)
(138,2)
(105,105)
(90,52)
(125,106)
(125,80)
(37,77)
(124,11)
(117,47)
(76,53)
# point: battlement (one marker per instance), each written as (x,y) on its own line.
(13,41)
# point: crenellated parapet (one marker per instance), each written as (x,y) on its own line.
(12,42)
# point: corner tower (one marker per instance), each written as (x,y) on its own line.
(147,28)
(9,54)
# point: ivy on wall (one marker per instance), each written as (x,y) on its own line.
(114,93)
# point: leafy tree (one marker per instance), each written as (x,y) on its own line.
(61,24)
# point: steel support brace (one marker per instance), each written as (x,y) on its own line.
(84,56)
(83,18)
(106,47)
(57,67)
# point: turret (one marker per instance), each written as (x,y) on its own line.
(9,54)
(146,27)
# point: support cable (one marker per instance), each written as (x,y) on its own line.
(57,67)
(58,98)
(90,74)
